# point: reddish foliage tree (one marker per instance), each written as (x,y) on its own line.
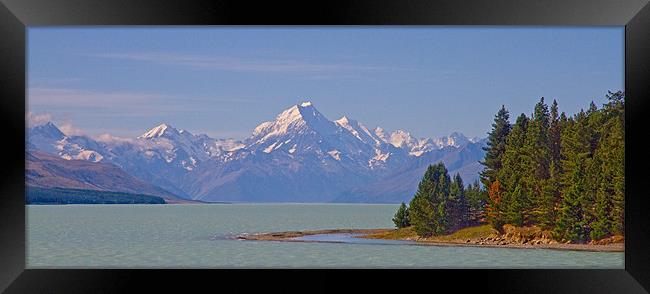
(494,206)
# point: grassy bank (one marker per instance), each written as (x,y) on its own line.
(462,235)
(486,236)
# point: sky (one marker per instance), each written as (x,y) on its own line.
(224,81)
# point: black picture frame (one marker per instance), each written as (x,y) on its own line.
(16,15)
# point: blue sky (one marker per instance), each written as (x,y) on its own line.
(224,81)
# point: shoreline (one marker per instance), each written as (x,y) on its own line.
(288,236)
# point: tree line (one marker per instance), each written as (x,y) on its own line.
(563,174)
(441,204)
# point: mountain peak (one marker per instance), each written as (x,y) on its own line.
(298,119)
(304,111)
(158,131)
(48,129)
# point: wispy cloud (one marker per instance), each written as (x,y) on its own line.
(84,98)
(35,119)
(70,130)
(52,82)
(108,138)
(241,64)
(123,104)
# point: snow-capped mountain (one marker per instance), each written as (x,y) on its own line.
(47,137)
(298,156)
(182,148)
(303,131)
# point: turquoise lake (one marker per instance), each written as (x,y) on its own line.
(198,236)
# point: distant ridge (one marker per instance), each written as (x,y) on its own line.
(47,171)
(37,195)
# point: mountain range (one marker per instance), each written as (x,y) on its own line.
(300,156)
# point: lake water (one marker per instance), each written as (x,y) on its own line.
(198,236)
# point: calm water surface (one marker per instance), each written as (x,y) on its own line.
(197,236)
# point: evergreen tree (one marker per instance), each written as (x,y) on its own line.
(495,146)
(539,139)
(571,225)
(401,218)
(514,167)
(538,160)
(613,153)
(555,135)
(457,206)
(602,224)
(421,209)
(565,174)
(440,199)
(512,207)
(575,208)
(476,201)
(428,207)
(552,196)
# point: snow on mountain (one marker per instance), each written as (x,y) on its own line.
(182,148)
(158,131)
(301,130)
(402,139)
(296,120)
(161,156)
(455,139)
(47,137)
(298,156)
(44,137)
(302,156)
(178,146)
(361,132)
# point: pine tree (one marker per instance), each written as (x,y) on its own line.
(552,196)
(421,209)
(555,135)
(602,225)
(538,153)
(457,206)
(565,174)
(427,210)
(540,124)
(495,146)
(613,149)
(512,206)
(440,198)
(575,209)
(401,218)
(476,201)
(514,166)
(571,225)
